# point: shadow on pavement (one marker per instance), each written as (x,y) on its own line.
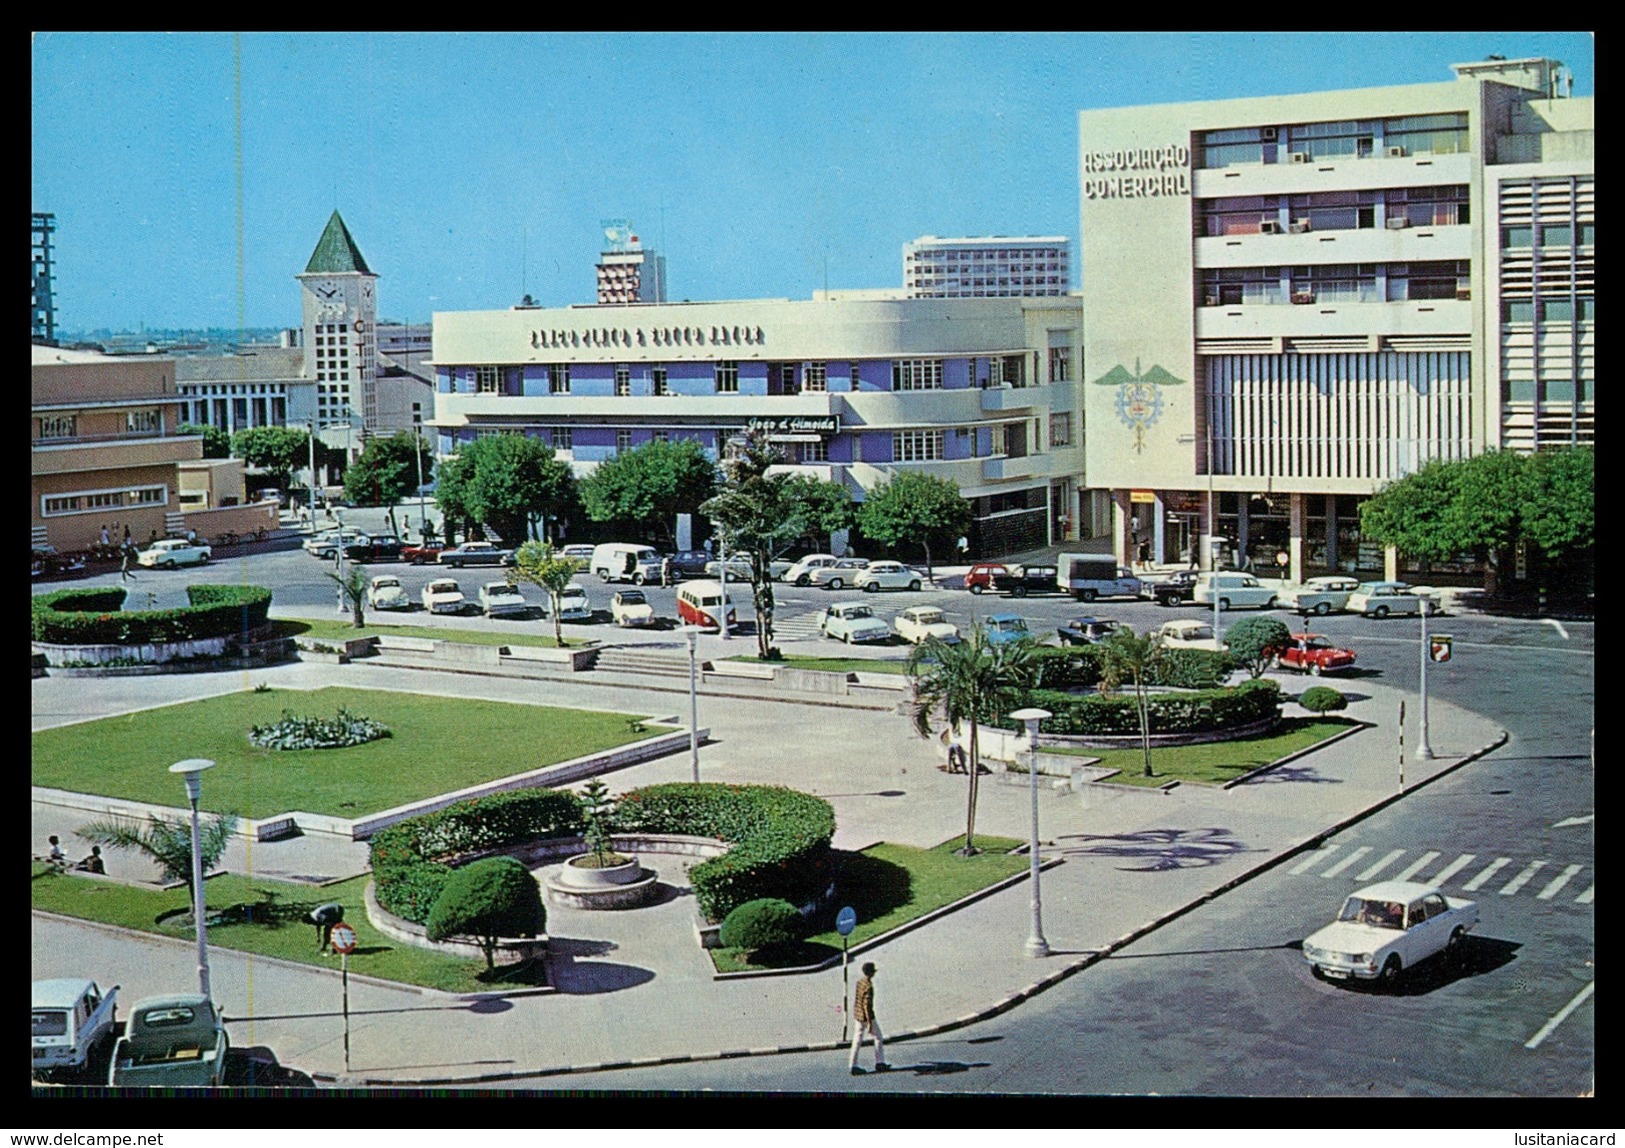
(1479,955)
(256,1066)
(1291,772)
(1159,849)
(585,978)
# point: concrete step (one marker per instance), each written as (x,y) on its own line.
(628,661)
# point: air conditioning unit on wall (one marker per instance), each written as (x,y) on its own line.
(1299,226)
(1300,157)
(1396,152)
(1398,222)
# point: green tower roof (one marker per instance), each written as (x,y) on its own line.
(336,251)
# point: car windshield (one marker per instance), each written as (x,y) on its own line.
(387,584)
(1380,914)
(1199,632)
(50,1022)
(442,587)
(1009,625)
(927,616)
(858,612)
(633,598)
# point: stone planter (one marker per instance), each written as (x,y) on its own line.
(624,886)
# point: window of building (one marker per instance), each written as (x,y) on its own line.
(854,376)
(787,379)
(104,500)
(488,380)
(623,380)
(58,426)
(563,438)
(1012,372)
(1338,139)
(1556,235)
(916,375)
(1060,429)
(623,440)
(1060,364)
(62,504)
(1557,391)
(1441,134)
(917,446)
(815,378)
(727,377)
(1518,311)
(1228,147)
(140,422)
(1522,235)
(814,451)
(662,436)
(558,378)
(657,378)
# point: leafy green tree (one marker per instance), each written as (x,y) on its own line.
(505,481)
(168,842)
(758,515)
(216,442)
(823,508)
(644,489)
(277,450)
(1414,513)
(488,900)
(1491,491)
(1135,657)
(1254,642)
(1322,699)
(353,585)
(387,472)
(536,563)
(762,924)
(914,507)
(1560,512)
(971,682)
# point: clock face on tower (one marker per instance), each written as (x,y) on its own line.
(326,289)
(366,292)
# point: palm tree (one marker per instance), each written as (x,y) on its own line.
(168,841)
(353,585)
(1133,656)
(970,682)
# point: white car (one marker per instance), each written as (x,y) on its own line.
(72,1019)
(327,543)
(631,608)
(736,567)
(1187,634)
(501,599)
(1380,599)
(172,552)
(886,576)
(842,573)
(1321,595)
(800,571)
(574,605)
(852,622)
(921,623)
(582,554)
(443,596)
(1386,928)
(1233,588)
(385,592)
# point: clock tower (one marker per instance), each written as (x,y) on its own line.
(340,305)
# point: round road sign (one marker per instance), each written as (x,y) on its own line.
(846,920)
(343,938)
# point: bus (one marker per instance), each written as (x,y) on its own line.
(701,604)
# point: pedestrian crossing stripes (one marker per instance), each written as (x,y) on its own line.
(1331,861)
(796,627)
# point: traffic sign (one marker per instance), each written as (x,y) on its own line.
(1439,647)
(343,938)
(846,920)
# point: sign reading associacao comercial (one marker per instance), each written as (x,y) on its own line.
(1137,172)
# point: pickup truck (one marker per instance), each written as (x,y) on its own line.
(1387,928)
(72,1018)
(176,1041)
(476,554)
(1020,581)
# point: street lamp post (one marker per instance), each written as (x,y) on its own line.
(1212,525)
(311,440)
(338,558)
(192,769)
(417,448)
(1424,751)
(692,633)
(1037,946)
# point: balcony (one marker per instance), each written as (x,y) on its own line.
(1353,245)
(1321,317)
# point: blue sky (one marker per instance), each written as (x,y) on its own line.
(472,168)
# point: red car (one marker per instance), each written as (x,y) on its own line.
(421,553)
(1313,654)
(980,576)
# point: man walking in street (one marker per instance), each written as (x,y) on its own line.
(126,552)
(863,1016)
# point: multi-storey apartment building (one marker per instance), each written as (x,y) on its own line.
(980,391)
(43,299)
(985,266)
(1293,300)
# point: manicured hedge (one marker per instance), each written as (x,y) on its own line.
(780,839)
(1079,668)
(408,866)
(1186,712)
(1192,669)
(91,616)
(1066,667)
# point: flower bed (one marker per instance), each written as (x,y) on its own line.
(294,732)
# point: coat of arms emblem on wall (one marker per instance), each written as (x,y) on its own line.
(1139,397)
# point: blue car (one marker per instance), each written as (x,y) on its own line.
(1002,628)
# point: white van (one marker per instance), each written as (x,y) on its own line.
(625,562)
(1232,588)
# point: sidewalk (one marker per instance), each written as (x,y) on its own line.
(635,987)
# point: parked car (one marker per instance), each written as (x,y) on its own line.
(169,553)
(476,554)
(1085,631)
(625,562)
(801,571)
(735,568)
(1002,628)
(1313,654)
(689,563)
(779,567)
(443,596)
(631,608)
(1188,634)
(385,592)
(580,552)
(919,623)
(48,561)
(574,605)
(1090,576)
(1180,586)
(421,553)
(272,494)
(176,1041)
(1380,599)
(73,1018)
(838,575)
(1232,588)
(374,548)
(326,544)
(980,576)
(502,599)
(1320,595)
(1389,927)
(852,622)
(886,576)
(1020,581)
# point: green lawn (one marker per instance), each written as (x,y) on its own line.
(278,927)
(838,665)
(333,630)
(890,885)
(1216,762)
(437,745)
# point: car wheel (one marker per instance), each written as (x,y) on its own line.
(1389,976)
(976,589)
(1088,595)
(1380,612)
(1323,608)
(203,561)
(914,585)
(847,638)
(1314,669)
(836,583)
(1270,603)
(170,565)
(1456,947)
(871,587)
(637,579)
(1316,972)
(803,580)
(1224,603)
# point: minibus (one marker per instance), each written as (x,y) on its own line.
(701,604)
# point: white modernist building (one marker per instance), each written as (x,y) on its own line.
(1293,300)
(985,266)
(980,391)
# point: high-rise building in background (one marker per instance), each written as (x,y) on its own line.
(985,266)
(44,303)
(627,272)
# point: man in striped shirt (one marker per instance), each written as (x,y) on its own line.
(863,1014)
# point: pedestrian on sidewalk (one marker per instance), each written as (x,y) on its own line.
(125,552)
(56,857)
(107,539)
(863,1016)
(93,863)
